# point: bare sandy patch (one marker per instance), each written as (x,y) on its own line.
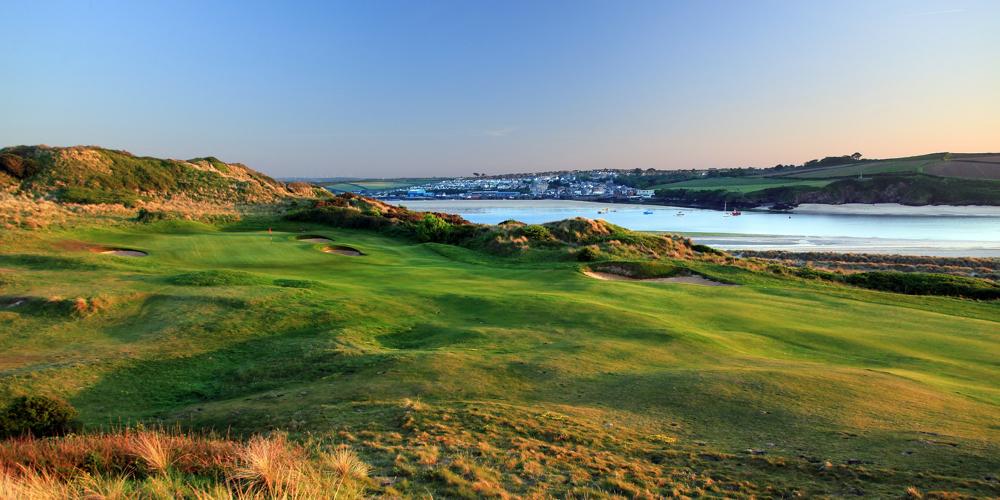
(690,280)
(122,252)
(342,250)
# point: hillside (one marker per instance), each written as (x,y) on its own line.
(94,175)
(934,179)
(460,360)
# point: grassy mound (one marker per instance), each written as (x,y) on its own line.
(94,175)
(641,269)
(555,240)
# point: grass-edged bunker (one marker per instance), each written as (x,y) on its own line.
(119,252)
(343,250)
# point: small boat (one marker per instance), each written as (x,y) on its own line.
(648,212)
(679,213)
(736,212)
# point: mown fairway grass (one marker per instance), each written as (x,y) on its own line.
(422,355)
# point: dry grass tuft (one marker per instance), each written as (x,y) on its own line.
(266,463)
(154,449)
(33,485)
(345,464)
(104,466)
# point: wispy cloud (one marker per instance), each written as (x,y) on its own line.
(499,132)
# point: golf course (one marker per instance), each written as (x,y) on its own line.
(453,372)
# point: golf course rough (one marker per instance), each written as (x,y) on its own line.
(461,373)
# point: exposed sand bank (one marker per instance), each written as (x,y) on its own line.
(690,280)
(122,252)
(342,250)
(897,209)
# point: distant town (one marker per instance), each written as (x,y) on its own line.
(587,185)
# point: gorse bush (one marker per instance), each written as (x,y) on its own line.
(38,416)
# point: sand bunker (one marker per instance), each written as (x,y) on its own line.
(342,250)
(311,238)
(690,280)
(120,252)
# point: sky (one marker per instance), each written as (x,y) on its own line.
(382,88)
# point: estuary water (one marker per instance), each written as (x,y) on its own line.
(972,231)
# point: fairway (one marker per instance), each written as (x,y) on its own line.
(234,328)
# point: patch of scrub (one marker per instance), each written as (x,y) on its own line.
(693,279)
(314,238)
(342,250)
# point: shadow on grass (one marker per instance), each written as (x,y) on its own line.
(155,388)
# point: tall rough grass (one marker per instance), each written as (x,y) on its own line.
(159,464)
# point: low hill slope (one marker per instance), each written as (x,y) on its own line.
(580,238)
(89,174)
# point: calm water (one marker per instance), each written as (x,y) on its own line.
(944,231)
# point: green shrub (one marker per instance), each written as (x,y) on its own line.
(588,254)
(431,228)
(706,249)
(536,232)
(38,416)
(147,216)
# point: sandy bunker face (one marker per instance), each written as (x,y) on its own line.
(342,250)
(690,280)
(312,238)
(120,252)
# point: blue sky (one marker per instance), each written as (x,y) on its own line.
(385,88)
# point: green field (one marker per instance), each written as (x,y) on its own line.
(882,167)
(375,184)
(740,184)
(447,368)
